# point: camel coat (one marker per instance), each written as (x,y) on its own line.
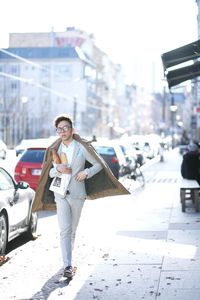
(102,184)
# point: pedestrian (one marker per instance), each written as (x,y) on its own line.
(70,206)
(190,166)
(83,164)
(184,138)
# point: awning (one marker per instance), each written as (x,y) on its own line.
(177,76)
(190,52)
(181,54)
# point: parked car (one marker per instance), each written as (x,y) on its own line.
(23,145)
(28,143)
(112,153)
(29,166)
(3,150)
(133,152)
(16,218)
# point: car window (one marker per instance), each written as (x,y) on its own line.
(6,182)
(103,150)
(33,156)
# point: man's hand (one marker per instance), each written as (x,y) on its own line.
(64,169)
(81,176)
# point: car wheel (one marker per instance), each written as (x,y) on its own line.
(32,226)
(3,234)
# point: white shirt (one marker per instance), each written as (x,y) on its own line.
(68,150)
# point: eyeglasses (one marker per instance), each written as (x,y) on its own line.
(63,129)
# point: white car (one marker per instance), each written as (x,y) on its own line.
(16,216)
(3,150)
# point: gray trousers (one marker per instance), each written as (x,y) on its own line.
(68,213)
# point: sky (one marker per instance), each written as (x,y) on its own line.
(133,33)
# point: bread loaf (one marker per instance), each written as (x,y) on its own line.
(56,158)
(63,158)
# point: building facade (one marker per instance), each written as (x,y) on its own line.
(39,83)
(46,74)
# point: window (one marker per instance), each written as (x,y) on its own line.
(45,72)
(14,69)
(62,71)
(33,155)
(6,182)
(105,150)
(1,68)
(13,85)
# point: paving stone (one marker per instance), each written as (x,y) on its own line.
(177,284)
(179,294)
(124,282)
(184,250)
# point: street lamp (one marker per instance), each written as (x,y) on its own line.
(111,133)
(24,101)
(74,110)
(173,108)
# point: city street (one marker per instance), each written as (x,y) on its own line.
(69,89)
(134,247)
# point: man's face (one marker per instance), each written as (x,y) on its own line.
(64,130)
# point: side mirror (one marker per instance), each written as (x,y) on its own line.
(22,185)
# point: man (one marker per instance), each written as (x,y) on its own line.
(90,177)
(69,207)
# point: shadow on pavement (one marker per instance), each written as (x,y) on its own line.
(17,242)
(22,240)
(55,282)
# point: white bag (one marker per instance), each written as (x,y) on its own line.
(60,184)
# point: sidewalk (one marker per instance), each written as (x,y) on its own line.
(134,247)
(140,246)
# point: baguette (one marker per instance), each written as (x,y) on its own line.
(63,158)
(56,158)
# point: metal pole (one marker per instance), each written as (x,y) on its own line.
(164,106)
(75,110)
(173,109)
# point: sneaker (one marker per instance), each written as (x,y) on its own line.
(68,272)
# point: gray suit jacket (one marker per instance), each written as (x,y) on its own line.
(80,156)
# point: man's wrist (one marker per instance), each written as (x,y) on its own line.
(86,173)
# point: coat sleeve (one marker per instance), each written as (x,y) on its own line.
(96,166)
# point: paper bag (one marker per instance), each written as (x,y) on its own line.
(60,184)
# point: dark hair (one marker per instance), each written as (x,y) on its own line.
(60,118)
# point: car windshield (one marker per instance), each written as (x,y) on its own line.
(33,155)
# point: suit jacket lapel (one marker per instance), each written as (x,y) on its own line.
(76,151)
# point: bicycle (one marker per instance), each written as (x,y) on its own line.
(132,171)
